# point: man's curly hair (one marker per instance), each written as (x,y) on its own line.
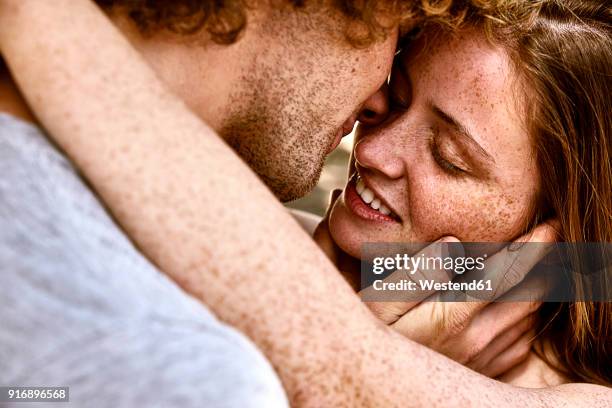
(224,20)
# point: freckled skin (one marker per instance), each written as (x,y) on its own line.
(285,295)
(472,80)
(300,87)
(279,95)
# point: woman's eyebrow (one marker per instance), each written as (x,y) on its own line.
(464,132)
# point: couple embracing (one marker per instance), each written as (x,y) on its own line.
(146,146)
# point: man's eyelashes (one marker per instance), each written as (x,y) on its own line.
(400,88)
(398,102)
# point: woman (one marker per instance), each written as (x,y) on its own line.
(158,234)
(503,131)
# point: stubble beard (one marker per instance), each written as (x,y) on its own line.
(287,151)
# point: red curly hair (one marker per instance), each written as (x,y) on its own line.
(224,20)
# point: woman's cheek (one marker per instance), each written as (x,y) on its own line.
(433,212)
(470,213)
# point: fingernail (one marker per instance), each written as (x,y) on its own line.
(451,247)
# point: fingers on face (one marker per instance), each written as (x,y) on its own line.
(498,317)
(423,324)
(393,312)
(545,232)
(493,326)
(436,273)
(509,267)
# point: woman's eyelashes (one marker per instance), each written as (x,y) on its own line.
(445,163)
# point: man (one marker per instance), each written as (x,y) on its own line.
(281,103)
(81,308)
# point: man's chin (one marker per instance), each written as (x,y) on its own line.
(293,192)
(294,187)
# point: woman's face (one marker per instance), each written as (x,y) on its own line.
(453,158)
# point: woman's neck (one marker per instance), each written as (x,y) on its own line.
(538,370)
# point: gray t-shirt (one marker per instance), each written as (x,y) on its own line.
(81,307)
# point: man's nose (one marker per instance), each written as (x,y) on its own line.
(376,107)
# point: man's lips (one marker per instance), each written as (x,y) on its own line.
(345,130)
(339,135)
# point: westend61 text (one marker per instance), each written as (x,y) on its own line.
(431,285)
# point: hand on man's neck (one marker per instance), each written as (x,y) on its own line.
(11,101)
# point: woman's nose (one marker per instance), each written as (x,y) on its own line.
(376,108)
(375,152)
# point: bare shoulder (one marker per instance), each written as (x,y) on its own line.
(555,389)
(585,395)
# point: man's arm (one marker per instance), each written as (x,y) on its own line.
(199,213)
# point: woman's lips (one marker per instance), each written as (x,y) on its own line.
(360,208)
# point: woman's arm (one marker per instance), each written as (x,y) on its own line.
(205,219)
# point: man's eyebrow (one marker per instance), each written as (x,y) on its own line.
(463,132)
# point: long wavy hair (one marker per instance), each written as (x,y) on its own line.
(562,51)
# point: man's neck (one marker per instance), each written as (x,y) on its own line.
(11,101)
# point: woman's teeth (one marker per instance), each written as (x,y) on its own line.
(368,197)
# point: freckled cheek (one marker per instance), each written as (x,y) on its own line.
(469,213)
(430,211)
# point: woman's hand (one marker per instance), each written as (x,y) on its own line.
(489,336)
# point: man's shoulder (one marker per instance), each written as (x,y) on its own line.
(74,288)
(56,231)
(40,191)
(24,145)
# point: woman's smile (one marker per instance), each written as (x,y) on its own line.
(363,202)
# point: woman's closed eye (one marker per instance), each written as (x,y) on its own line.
(445,160)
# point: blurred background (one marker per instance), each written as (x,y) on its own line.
(333,176)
